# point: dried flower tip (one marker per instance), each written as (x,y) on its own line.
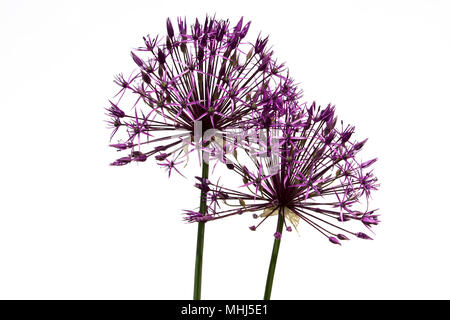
(119,146)
(161,57)
(342,237)
(334,240)
(368,220)
(161,157)
(116,111)
(139,156)
(122,161)
(362,235)
(160,148)
(137,60)
(170,32)
(368,163)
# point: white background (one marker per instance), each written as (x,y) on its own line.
(71,227)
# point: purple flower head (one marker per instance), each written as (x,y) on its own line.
(198,78)
(311,174)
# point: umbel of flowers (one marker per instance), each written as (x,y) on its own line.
(203,77)
(306,169)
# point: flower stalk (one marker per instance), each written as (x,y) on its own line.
(200,237)
(273,260)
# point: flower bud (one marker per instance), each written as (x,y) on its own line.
(170,32)
(245,30)
(137,60)
(368,220)
(260,45)
(145,77)
(334,240)
(239,25)
(342,237)
(182,26)
(115,111)
(363,236)
(139,156)
(119,146)
(161,157)
(121,161)
(222,70)
(160,148)
(368,163)
(200,54)
(358,146)
(161,57)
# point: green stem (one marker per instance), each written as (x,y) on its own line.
(200,239)
(273,260)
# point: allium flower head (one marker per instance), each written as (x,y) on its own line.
(308,170)
(199,77)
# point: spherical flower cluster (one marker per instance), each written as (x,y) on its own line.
(307,170)
(203,77)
